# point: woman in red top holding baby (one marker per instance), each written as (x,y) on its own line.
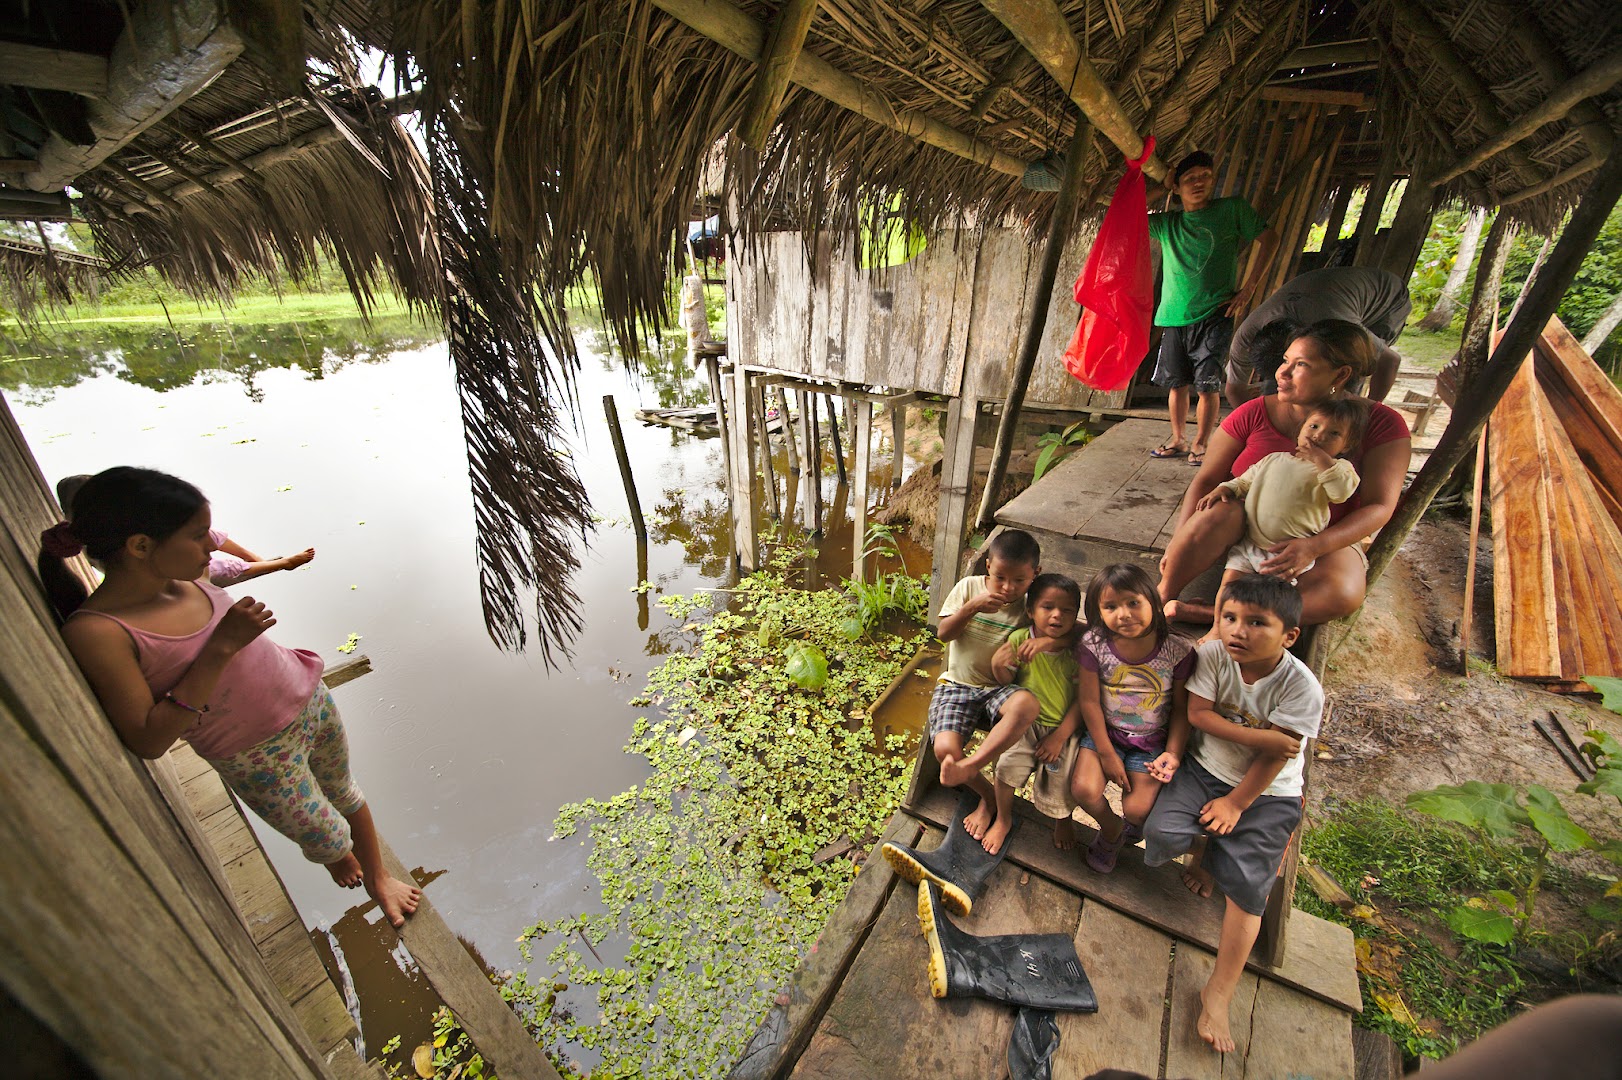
(1319,365)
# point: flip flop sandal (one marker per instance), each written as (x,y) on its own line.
(1167,450)
(1196,460)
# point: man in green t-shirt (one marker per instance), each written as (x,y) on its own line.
(1199,295)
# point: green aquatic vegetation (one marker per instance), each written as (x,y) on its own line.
(710,889)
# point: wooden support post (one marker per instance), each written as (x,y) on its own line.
(1315,187)
(951,516)
(166,54)
(1036,319)
(863,434)
(1408,228)
(1368,222)
(1594,80)
(1476,399)
(738,32)
(898,439)
(712,368)
(768,472)
(624,459)
(791,449)
(789,27)
(1470,555)
(1337,215)
(745,511)
(813,458)
(833,433)
(1043,29)
(1481,317)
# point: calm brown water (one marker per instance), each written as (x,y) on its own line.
(351,442)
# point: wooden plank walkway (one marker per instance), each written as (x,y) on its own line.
(273,922)
(860,1006)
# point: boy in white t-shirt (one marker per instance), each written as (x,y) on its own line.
(1237,799)
(977,616)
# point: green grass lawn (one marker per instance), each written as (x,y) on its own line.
(1421,349)
(246,311)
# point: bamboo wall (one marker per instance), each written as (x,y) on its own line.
(948,322)
(115,935)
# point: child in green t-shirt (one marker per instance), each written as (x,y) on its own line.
(1200,294)
(1041,660)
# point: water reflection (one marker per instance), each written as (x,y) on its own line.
(163,357)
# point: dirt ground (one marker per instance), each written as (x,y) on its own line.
(1404,717)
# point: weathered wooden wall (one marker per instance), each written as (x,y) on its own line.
(113,933)
(948,322)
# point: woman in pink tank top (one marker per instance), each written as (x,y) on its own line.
(172,657)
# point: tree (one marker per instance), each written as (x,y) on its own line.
(1608,321)
(1441,313)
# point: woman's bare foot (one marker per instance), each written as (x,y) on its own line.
(1064,833)
(992,841)
(293,562)
(395,897)
(346,871)
(1199,882)
(978,822)
(1213,1022)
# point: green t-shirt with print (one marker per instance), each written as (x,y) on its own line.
(1199,257)
(1051,676)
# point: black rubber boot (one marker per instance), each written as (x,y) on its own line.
(1037,970)
(1031,1046)
(960,866)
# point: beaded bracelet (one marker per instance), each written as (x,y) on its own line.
(171,699)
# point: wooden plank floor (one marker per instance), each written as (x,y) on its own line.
(273,922)
(882,1022)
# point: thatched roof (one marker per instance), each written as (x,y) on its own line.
(567,142)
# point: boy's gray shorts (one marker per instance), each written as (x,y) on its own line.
(1245,862)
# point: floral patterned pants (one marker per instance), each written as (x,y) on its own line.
(298,780)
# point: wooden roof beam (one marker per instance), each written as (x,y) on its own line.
(1040,26)
(1334,52)
(1594,80)
(1565,176)
(1277,26)
(1437,46)
(167,53)
(1551,65)
(738,32)
(789,29)
(1483,195)
(1210,42)
(1163,22)
(39,67)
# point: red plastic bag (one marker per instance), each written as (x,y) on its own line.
(1116,289)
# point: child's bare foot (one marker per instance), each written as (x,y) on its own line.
(978,822)
(955,772)
(396,898)
(1064,834)
(1213,1022)
(346,871)
(992,841)
(1199,882)
(293,562)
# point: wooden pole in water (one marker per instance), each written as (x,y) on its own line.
(839,449)
(1064,211)
(790,446)
(768,477)
(624,459)
(1477,398)
(898,436)
(813,458)
(863,434)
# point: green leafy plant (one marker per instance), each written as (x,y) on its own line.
(1052,442)
(709,886)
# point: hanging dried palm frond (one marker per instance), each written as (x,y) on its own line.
(37,277)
